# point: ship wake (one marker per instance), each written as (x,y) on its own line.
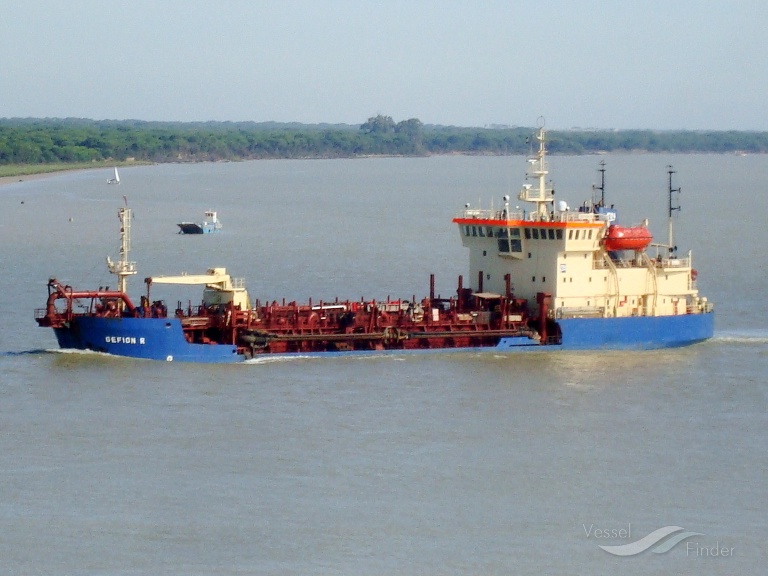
(751,337)
(35,352)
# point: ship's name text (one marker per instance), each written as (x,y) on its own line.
(124,340)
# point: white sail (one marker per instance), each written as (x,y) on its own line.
(116,179)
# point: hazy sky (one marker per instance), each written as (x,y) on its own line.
(666,64)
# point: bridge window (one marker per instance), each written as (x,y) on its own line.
(501,234)
(559,234)
(535,232)
(514,244)
(466,230)
(527,233)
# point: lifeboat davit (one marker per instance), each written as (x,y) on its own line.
(626,238)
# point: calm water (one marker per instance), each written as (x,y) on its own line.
(452,463)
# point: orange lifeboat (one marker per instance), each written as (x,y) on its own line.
(626,238)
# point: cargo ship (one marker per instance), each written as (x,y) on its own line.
(545,277)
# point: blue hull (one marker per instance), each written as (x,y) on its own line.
(163,339)
(192,228)
(631,333)
(149,338)
(636,332)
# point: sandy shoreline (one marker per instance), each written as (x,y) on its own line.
(4,180)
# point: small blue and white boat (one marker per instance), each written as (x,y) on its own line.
(207,226)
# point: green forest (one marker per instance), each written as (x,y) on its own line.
(31,141)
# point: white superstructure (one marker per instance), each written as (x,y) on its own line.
(589,266)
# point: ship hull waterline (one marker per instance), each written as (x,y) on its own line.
(163,339)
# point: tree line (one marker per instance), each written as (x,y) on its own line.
(74,140)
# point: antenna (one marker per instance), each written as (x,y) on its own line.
(602,183)
(672,208)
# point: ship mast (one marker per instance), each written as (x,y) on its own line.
(123,267)
(602,184)
(543,195)
(672,247)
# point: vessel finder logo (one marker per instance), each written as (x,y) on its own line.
(659,541)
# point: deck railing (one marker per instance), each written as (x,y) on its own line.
(524,215)
(633,263)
